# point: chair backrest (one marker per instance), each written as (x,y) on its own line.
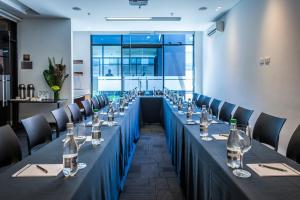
(267,129)
(61,119)
(76,116)
(101,101)
(242,115)
(293,150)
(38,131)
(200,100)
(225,112)
(106,100)
(206,101)
(9,146)
(88,111)
(195,97)
(95,103)
(214,106)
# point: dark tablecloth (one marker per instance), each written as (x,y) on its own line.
(151,109)
(103,178)
(202,170)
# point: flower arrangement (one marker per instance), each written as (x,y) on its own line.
(55,76)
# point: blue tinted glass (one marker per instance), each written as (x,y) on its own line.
(178,39)
(142,39)
(106,39)
(174,60)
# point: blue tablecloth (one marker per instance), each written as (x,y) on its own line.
(202,170)
(103,178)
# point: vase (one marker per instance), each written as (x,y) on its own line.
(56,95)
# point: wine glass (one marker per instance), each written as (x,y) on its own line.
(244,144)
(80,140)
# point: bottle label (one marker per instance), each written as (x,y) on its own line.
(233,155)
(70,162)
(96,135)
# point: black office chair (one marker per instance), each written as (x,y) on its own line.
(106,100)
(61,119)
(9,146)
(38,131)
(88,111)
(206,101)
(242,115)
(95,103)
(195,97)
(214,106)
(225,112)
(293,149)
(267,129)
(200,100)
(101,101)
(76,116)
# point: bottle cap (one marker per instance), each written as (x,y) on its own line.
(233,121)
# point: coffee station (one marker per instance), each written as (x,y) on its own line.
(26,95)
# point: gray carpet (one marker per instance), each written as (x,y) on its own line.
(152,175)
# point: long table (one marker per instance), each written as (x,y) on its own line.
(202,170)
(103,178)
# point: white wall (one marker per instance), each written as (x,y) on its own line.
(43,38)
(82,51)
(231,69)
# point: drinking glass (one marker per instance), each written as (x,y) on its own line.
(80,140)
(244,144)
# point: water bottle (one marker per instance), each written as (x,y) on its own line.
(180,104)
(96,134)
(189,113)
(233,149)
(110,114)
(70,155)
(204,118)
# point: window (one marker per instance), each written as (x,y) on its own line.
(123,62)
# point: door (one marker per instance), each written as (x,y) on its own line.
(5,81)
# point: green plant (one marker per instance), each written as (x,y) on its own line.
(56,75)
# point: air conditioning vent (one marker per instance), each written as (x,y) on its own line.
(138,3)
(217,27)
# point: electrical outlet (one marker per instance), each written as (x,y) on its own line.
(268,60)
(261,61)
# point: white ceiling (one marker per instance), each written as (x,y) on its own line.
(192,18)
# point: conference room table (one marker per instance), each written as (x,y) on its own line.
(202,170)
(103,178)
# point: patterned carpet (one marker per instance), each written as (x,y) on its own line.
(152,175)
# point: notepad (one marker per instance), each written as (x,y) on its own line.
(105,123)
(265,171)
(220,136)
(32,170)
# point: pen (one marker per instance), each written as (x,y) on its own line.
(42,169)
(274,168)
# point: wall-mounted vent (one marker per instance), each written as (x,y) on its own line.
(216,27)
(138,3)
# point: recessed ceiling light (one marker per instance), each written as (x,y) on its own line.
(218,8)
(202,8)
(76,8)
